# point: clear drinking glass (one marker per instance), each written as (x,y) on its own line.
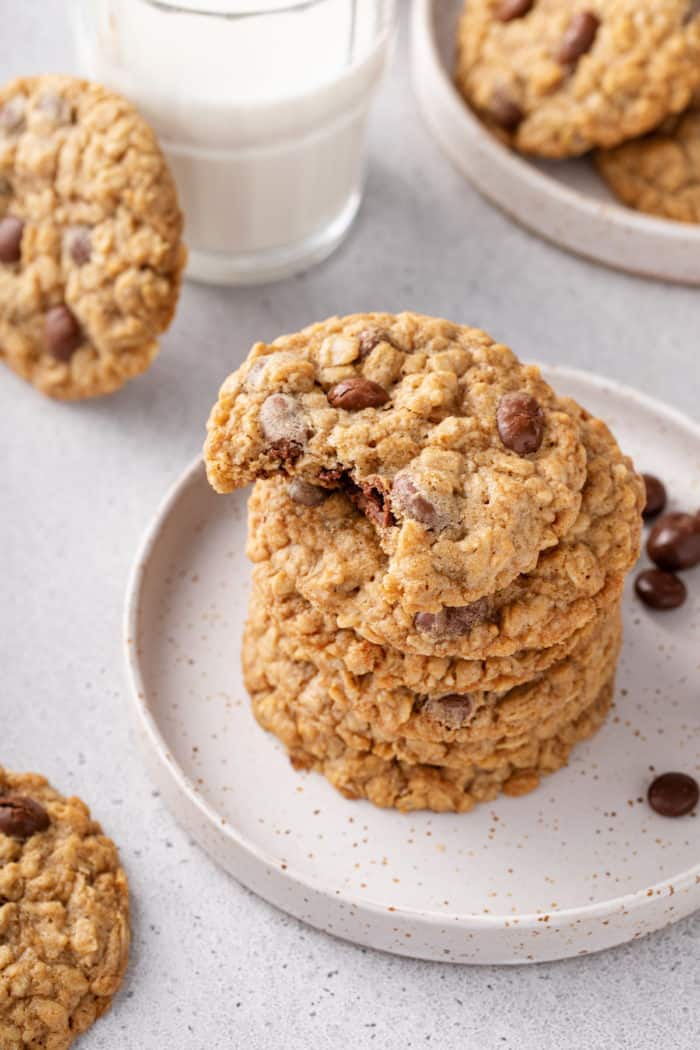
(260,106)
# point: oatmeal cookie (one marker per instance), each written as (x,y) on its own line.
(556,79)
(64,916)
(431,724)
(462,458)
(659,174)
(331,556)
(90,249)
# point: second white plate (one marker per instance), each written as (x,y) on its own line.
(579,865)
(563,201)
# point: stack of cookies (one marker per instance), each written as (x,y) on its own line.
(440,544)
(556,79)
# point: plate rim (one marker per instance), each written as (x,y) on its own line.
(426,54)
(147,723)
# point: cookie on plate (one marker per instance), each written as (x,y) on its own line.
(659,174)
(460,456)
(64,916)
(330,554)
(556,78)
(90,237)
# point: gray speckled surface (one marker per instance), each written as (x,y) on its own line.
(212,965)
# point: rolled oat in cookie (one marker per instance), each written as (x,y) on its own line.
(91,255)
(557,78)
(64,916)
(460,456)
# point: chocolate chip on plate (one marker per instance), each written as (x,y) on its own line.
(520,422)
(11,230)
(307,494)
(673,794)
(21,817)
(451,621)
(578,37)
(659,589)
(62,333)
(674,542)
(504,110)
(510,9)
(655,496)
(355,393)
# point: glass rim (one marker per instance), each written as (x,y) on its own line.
(232,9)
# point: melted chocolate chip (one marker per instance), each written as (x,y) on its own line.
(578,37)
(408,500)
(504,111)
(520,422)
(372,498)
(372,337)
(356,393)
(21,817)
(655,496)
(282,422)
(11,230)
(673,794)
(79,244)
(452,711)
(510,9)
(660,590)
(307,494)
(452,621)
(62,334)
(674,542)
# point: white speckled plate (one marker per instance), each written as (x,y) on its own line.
(564,201)
(579,865)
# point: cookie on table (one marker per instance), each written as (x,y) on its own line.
(330,554)
(458,454)
(90,237)
(659,174)
(428,722)
(403,773)
(556,78)
(64,916)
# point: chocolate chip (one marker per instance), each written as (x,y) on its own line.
(452,621)
(21,817)
(356,393)
(660,590)
(372,337)
(11,230)
(578,37)
(282,423)
(62,333)
(12,113)
(674,542)
(452,711)
(504,110)
(520,422)
(655,496)
(307,494)
(78,244)
(673,794)
(372,498)
(510,9)
(410,502)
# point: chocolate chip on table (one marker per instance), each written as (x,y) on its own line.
(62,333)
(674,542)
(510,9)
(578,37)
(504,111)
(407,499)
(452,621)
(659,589)
(356,393)
(21,817)
(673,794)
(655,496)
(11,230)
(79,244)
(520,422)
(452,711)
(307,494)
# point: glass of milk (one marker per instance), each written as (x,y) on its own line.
(261,108)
